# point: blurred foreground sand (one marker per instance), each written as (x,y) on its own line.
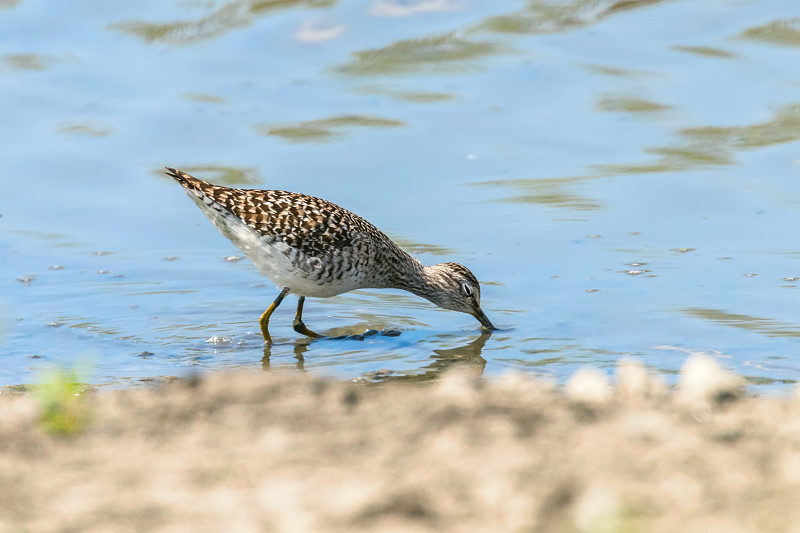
(288,453)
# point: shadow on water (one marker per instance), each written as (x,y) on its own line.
(697,147)
(538,17)
(301,345)
(708,146)
(467,356)
(764,326)
(535,17)
(219,21)
(325,129)
(783,32)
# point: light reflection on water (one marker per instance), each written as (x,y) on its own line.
(619,174)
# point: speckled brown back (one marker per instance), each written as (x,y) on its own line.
(314,227)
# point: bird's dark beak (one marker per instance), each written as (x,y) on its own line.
(484,320)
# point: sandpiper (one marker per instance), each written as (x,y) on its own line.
(311,247)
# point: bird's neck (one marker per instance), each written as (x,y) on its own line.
(424,281)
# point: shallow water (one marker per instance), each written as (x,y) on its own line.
(621,176)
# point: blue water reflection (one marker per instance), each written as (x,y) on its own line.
(621,176)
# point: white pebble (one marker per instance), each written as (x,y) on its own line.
(632,379)
(703,380)
(589,385)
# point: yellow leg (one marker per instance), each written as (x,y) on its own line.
(298,325)
(264,320)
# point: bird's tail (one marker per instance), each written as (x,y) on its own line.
(198,189)
(182,177)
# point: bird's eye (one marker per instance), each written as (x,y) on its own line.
(467,289)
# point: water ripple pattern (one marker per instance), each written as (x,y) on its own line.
(620,175)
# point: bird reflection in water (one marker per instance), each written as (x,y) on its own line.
(466,357)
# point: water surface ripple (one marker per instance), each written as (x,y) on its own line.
(621,176)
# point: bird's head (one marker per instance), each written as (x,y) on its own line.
(452,286)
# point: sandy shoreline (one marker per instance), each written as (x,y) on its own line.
(261,452)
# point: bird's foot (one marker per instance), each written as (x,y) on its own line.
(301,328)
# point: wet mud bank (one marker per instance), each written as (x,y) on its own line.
(260,452)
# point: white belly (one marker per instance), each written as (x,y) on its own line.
(285,266)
